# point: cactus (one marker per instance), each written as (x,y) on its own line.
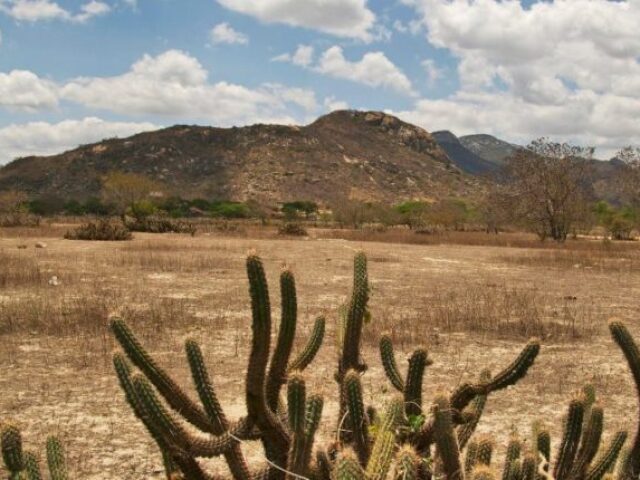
(24,465)
(285,443)
(631,352)
(446,439)
(409,441)
(570,438)
(407,464)
(356,418)
(412,386)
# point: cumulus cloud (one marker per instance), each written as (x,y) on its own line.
(564,67)
(343,18)
(37,10)
(175,84)
(374,69)
(225,33)
(303,56)
(43,138)
(23,90)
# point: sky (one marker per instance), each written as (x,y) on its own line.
(77,71)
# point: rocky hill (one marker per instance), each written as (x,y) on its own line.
(465,159)
(344,155)
(489,148)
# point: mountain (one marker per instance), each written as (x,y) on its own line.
(489,148)
(465,159)
(369,156)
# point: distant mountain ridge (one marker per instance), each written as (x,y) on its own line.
(489,148)
(464,158)
(369,156)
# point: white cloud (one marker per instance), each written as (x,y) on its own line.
(23,90)
(224,33)
(434,73)
(92,9)
(374,69)
(175,84)
(343,18)
(605,121)
(303,56)
(43,138)
(562,67)
(331,104)
(37,10)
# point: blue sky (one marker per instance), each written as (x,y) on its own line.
(76,71)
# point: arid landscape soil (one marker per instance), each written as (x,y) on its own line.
(472,306)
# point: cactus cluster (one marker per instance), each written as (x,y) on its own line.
(24,465)
(404,440)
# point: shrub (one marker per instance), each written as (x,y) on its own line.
(291,228)
(104,230)
(160,225)
(229,210)
(19,219)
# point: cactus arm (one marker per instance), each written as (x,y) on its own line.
(590,442)
(234,457)
(570,439)
(477,408)
(312,422)
(274,437)
(322,470)
(388,358)
(347,467)
(483,472)
(446,440)
(608,459)
(31,467)
(277,375)
(413,384)
(518,368)
(485,451)
(310,350)
(407,463)
(55,459)
(11,444)
(170,390)
(355,317)
(471,457)
(381,456)
(123,373)
(173,433)
(356,415)
(529,464)
(514,448)
(631,352)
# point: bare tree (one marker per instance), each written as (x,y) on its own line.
(629,176)
(128,191)
(548,185)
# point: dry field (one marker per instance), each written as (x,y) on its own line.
(472,306)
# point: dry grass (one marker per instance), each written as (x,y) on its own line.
(472,306)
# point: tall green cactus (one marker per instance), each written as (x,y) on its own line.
(631,352)
(411,388)
(285,444)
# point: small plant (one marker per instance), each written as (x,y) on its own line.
(293,229)
(103,230)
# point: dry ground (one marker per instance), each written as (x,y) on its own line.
(471,306)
